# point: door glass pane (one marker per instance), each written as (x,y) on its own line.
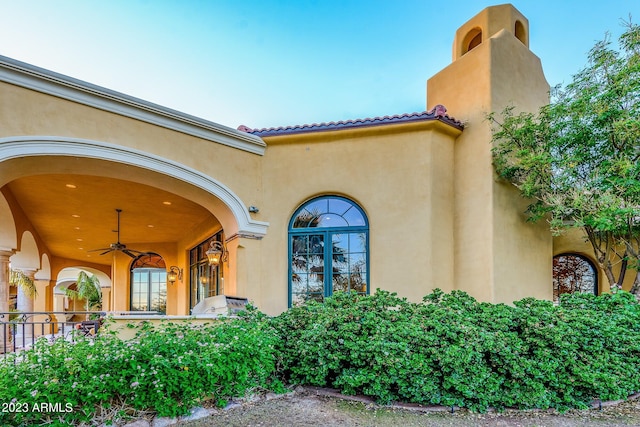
(315,283)
(316,244)
(158,296)
(357,242)
(341,282)
(299,245)
(349,262)
(299,284)
(358,282)
(193,284)
(139,291)
(307,266)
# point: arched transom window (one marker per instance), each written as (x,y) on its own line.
(573,273)
(328,249)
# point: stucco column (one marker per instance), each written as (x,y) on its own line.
(40,301)
(25,302)
(4,299)
(106,298)
(243,268)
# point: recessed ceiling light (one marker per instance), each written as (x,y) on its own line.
(79,240)
(70,186)
(75,216)
(82,249)
(166,203)
(150,225)
(76,228)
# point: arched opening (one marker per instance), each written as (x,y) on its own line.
(167,208)
(148,284)
(573,273)
(472,40)
(20,155)
(67,278)
(328,249)
(520,32)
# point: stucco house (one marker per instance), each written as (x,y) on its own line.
(406,203)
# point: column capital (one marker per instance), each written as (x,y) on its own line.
(6,253)
(29,272)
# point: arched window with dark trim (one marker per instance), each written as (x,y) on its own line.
(148,284)
(328,249)
(573,273)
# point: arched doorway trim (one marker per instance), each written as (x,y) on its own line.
(26,146)
(8,233)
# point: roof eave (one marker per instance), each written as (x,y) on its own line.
(51,83)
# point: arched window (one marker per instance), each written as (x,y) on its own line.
(573,273)
(149,283)
(328,249)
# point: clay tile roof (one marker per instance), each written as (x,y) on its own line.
(439,112)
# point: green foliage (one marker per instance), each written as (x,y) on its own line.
(169,369)
(18,278)
(87,289)
(447,350)
(452,350)
(577,158)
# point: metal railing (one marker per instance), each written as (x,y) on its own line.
(20,330)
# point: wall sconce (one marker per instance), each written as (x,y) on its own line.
(174,274)
(217,253)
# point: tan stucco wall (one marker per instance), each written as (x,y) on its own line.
(498,256)
(401,176)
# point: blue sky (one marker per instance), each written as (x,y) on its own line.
(266,63)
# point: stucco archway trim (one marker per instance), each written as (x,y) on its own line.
(28,146)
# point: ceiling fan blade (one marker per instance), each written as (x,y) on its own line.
(100,249)
(106,252)
(130,253)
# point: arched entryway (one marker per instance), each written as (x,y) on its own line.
(167,208)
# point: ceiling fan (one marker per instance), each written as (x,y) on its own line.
(117,246)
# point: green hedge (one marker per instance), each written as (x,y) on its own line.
(452,350)
(169,370)
(448,350)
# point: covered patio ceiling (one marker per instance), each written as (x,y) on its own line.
(74,214)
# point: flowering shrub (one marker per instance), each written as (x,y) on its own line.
(168,369)
(452,350)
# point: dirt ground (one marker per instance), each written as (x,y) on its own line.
(312,409)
